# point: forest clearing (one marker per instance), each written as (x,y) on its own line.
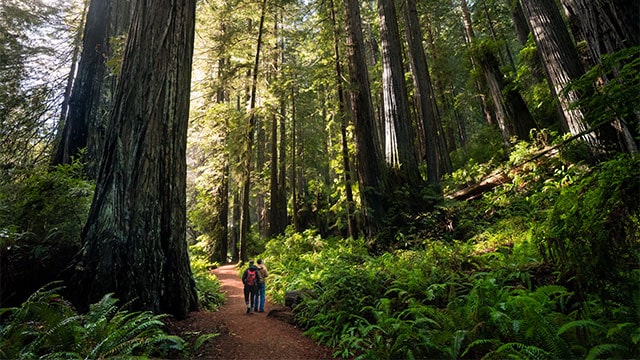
(423,179)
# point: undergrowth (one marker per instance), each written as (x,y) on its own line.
(522,277)
(46,326)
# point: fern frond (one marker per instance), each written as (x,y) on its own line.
(589,324)
(599,351)
(524,351)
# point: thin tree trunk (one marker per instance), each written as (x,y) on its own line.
(351,223)
(134,243)
(512,114)
(245,221)
(469,36)
(294,162)
(70,80)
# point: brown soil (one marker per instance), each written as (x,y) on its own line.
(245,336)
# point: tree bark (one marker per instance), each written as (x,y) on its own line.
(134,242)
(371,173)
(90,99)
(512,114)
(560,60)
(85,96)
(245,219)
(399,140)
(424,96)
(352,229)
(608,26)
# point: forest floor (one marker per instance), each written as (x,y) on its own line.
(242,336)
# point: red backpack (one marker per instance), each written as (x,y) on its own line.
(251,277)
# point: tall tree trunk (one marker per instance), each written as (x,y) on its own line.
(352,230)
(512,114)
(274,227)
(294,163)
(371,172)
(70,80)
(423,94)
(396,100)
(84,122)
(469,36)
(282,174)
(134,242)
(560,60)
(608,26)
(235,233)
(245,220)
(85,96)
(221,215)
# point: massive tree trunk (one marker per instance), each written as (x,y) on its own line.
(399,140)
(134,242)
(560,60)
(371,172)
(90,100)
(608,26)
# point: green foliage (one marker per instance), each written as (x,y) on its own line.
(492,295)
(594,225)
(210,295)
(47,207)
(617,82)
(41,219)
(485,144)
(47,327)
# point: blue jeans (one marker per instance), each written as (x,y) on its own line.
(261,294)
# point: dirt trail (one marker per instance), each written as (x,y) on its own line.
(246,336)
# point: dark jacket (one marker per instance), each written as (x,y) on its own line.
(244,275)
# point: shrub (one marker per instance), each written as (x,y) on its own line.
(47,327)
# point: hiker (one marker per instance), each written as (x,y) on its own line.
(262,286)
(250,279)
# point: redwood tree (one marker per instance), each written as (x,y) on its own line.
(134,241)
(371,174)
(90,99)
(560,59)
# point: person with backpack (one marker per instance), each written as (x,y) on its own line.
(262,286)
(250,279)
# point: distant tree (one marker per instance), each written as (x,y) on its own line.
(29,90)
(134,241)
(245,219)
(512,114)
(352,229)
